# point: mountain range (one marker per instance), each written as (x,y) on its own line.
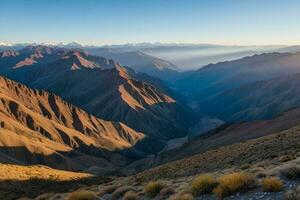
(118,110)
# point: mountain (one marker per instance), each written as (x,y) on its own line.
(214,79)
(259,100)
(139,61)
(105,89)
(225,135)
(40,128)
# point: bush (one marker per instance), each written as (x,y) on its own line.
(261,175)
(153,188)
(130,195)
(232,183)
(292,194)
(82,195)
(272,184)
(118,193)
(245,166)
(108,189)
(203,184)
(168,191)
(286,158)
(291,172)
(183,196)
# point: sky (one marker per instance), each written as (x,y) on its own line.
(100,22)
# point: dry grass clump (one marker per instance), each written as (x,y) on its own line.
(167,191)
(261,175)
(182,196)
(153,188)
(291,172)
(118,193)
(203,184)
(272,184)
(81,195)
(292,194)
(286,158)
(130,195)
(232,183)
(108,189)
(245,166)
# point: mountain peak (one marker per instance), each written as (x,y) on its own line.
(9,53)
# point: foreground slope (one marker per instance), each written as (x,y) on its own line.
(41,128)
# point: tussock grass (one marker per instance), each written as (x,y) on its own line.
(235,182)
(272,184)
(291,172)
(182,196)
(292,194)
(118,193)
(153,188)
(203,184)
(130,195)
(81,195)
(167,191)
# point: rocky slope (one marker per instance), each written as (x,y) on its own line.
(259,100)
(107,90)
(214,79)
(139,61)
(40,128)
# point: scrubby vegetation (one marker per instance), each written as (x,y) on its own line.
(167,191)
(130,195)
(292,194)
(291,172)
(232,183)
(203,184)
(118,193)
(153,188)
(107,189)
(82,195)
(272,184)
(182,196)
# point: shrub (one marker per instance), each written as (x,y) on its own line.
(245,166)
(82,195)
(130,195)
(291,172)
(183,196)
(203,184)
(108,189)
(153,188)
(167,191)
(261,175)
(290,195)
(118,193)
(286,158)
(232,183)
(272,184)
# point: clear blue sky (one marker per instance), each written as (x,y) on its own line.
(121,21)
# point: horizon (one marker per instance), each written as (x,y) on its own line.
(117,22)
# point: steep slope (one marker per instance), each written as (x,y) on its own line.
(259,100)
(107,90)
(139,61)
(214,79)
(253,151)
(225,135)
(41,128)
